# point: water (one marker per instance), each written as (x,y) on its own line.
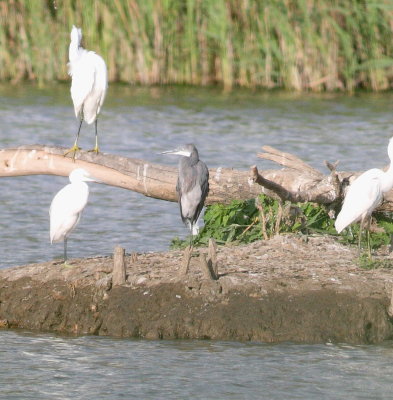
(229,130)
(52,367)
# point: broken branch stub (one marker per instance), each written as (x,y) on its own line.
(299,182)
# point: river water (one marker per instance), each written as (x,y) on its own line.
(229,130)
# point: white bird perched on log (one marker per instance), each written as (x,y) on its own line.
(364,195)
(67,206)
(192,185)
(89,84)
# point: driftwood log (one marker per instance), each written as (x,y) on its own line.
(296,182)
(149,179)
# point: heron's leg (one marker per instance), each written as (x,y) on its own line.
(75,147)
(96,149)
(191,236)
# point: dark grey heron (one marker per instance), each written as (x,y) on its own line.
(192,185)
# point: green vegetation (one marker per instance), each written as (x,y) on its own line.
(243,222)
(366,262)
(298,45)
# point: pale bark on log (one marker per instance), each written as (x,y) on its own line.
(152,180)
(298,181)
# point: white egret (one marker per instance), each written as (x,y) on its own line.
(89,84)
(364,195)
(192,185)
(67,206)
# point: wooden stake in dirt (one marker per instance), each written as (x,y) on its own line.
(119,267)
(212,257)
(390,309)
(186,260)
(206,270)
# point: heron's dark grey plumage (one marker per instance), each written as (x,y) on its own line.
(193,181)
(192,184)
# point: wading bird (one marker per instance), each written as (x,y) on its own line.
(192,185)
(364,195)
(67,206)
(89,84)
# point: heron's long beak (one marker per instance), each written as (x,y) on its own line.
(178,152)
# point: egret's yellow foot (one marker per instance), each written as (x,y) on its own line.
(74,149)
(95,150)
(67,265)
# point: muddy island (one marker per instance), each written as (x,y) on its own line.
(283,289)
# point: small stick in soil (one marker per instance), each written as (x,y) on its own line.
(134,257)
(263,219)
(390,309)
(212,257)
(278,218)
(119,267)
(206,271)
(186,260)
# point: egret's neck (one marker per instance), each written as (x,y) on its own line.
(387,179)
(73,50)
(82,186)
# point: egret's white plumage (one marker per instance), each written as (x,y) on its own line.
(365,194)
(89,82)
(67,206)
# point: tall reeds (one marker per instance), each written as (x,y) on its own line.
(292,44)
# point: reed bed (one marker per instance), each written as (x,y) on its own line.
(293,44)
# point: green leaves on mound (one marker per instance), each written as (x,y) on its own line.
(243,222)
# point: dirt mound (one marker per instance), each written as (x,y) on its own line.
(284,289)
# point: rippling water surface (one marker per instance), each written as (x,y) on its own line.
(229,130)
(51,367)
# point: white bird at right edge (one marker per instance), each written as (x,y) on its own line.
(364,195)
(89,84)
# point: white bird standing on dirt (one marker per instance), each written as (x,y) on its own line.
(192,185)
(67,206)
(364,195)
(89,84)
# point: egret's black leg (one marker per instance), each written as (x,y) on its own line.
(75,147)
(360,236)
(96,146)
(369,238)
(96,149)
(65,250)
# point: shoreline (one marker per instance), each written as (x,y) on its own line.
(283,289)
